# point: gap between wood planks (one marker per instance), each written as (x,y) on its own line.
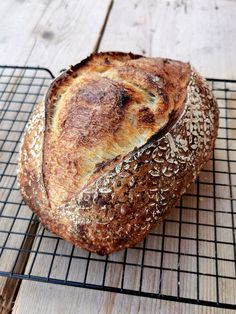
(12,285)
(97,46)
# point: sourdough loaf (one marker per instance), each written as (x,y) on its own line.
(113,145)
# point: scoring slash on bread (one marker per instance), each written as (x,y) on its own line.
(116,141)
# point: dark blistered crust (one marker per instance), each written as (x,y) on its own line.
(118,207)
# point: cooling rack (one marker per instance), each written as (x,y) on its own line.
(190,257)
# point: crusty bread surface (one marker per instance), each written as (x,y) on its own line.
(116,141)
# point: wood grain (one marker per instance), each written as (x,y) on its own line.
(201,32)
(48,299)
(53,34)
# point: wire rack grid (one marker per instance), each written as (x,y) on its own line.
(190,257)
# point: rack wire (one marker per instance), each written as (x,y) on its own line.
(190,257)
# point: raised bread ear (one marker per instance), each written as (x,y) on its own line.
(125,197)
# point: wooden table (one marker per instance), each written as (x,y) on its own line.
(54,34)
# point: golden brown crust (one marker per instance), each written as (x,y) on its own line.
(123,136)
(112,105)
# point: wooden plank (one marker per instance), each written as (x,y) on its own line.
(68,33)
(47,299)
(18,20)
(201,32)
(52,34)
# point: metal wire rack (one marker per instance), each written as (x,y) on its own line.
(190,257)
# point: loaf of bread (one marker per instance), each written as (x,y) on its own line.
(116,141)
